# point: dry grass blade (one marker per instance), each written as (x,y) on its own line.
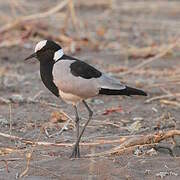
(4,151)
(173,103)
(95,3)
(73,14)
(41,143)
(53,10)
(136,141)
(162,97)
(161,54)
(10,119)
(28,158)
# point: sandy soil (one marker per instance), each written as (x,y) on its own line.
(127,24)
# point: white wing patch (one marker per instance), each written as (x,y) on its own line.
(58,54)
(40,45)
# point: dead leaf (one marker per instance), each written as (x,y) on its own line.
(57,117)
(100,31)
(112,110)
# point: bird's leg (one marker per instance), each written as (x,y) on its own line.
(79,138)
(76,152)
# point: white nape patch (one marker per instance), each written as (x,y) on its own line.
(58,54)
(40,45)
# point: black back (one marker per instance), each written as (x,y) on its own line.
(82,69)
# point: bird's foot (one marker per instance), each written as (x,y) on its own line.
(75,152)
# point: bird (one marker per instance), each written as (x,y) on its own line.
(75,81)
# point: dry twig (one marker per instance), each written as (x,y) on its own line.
(41,143)
(10,119)
(162,97)
(28,158)
(160,55)
(128,143)
(174,103)
(73,14)
(136,141)
(51,11)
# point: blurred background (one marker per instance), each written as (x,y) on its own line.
(134,40)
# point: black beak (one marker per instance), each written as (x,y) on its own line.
(31,56)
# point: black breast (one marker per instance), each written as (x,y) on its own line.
(47,77)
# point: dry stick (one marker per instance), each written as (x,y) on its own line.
(53,10)
(162,97)
(174,103)
(10,119)
(11,159)
(73,14)
(126,140)
(163,53)
(41,143)
(28,159)
(126,150)
(135,142)
(127,143)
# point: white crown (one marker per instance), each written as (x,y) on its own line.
(40,45)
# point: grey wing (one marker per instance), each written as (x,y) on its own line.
(76,85)
(68,83)
(108,82)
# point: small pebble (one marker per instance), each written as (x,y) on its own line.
(17,98)
(3,121)
(4,101)
(151,152)
(138,152)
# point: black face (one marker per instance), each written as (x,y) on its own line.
(46,53)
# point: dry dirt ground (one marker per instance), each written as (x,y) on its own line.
(126,34)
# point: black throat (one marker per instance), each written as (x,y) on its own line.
(47,77)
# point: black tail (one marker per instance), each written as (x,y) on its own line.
(128,91)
